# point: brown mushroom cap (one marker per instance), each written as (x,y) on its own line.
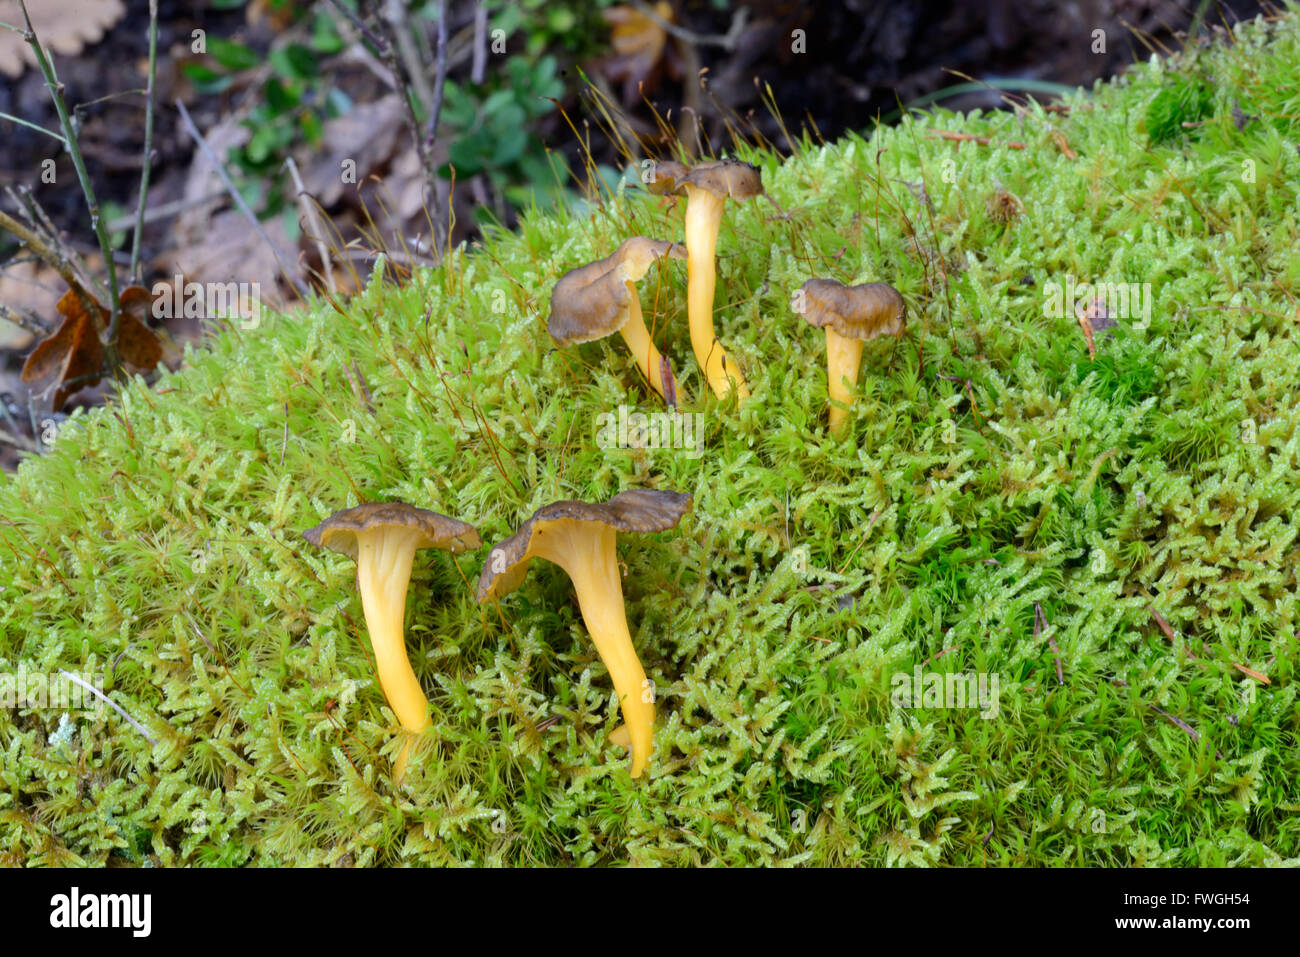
(339,532)
(636,510)
(728,178)
(592,301)
(858,312)
(665,177)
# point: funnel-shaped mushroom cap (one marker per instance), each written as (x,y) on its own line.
(582,539)
(636,510)
(726,177)
(592,301)
(858,312)
(665,177)
(339,532)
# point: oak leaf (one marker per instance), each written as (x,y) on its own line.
(62,26)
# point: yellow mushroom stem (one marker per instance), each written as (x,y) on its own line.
(586,551)
(703,220)
(637,337)
(843,356)
(383,574)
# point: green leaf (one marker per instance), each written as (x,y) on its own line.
(312,129)
(231,55)
(266,140)
(324,38)
(280,98)
(510,146)
(206,80)
(294,62)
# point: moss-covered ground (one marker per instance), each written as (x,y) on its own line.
(1145,500)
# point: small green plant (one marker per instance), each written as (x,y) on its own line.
(1184,100)
(296,101)
(488,126)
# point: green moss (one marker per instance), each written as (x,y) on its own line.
(992,466)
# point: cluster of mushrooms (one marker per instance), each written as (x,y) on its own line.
(383,537)
(589,303)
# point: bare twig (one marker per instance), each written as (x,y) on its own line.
(53,258)
(727,41)
(479,67)
(146,162)
(312,215)
(18,441)
(74,150)
(439,79)
(359,386)
(39,129)
(14,435)
(1178,721)
(239,200)
(24,320)
(378,42)
(400,28)
(164,210)
(1258,676)
(405,82)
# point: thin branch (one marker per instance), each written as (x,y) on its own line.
(479,67)
(24,320)
(74,150)
(423,145)
(439,78)
(395,14)
(134,271)
(164,211)
(311,214)
(727,41)
(379,43)
(18,441)
(239,200)
(32,126)
(55,260)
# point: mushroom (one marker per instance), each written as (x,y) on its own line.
(599,299)
(580,538)
(382,538)
(850,315)
(707,187)
(662,177)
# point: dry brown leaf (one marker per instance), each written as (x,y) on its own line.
(63,26)
(1094,317)
(229,250)
(74,352)
(137,344)
(366,136)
